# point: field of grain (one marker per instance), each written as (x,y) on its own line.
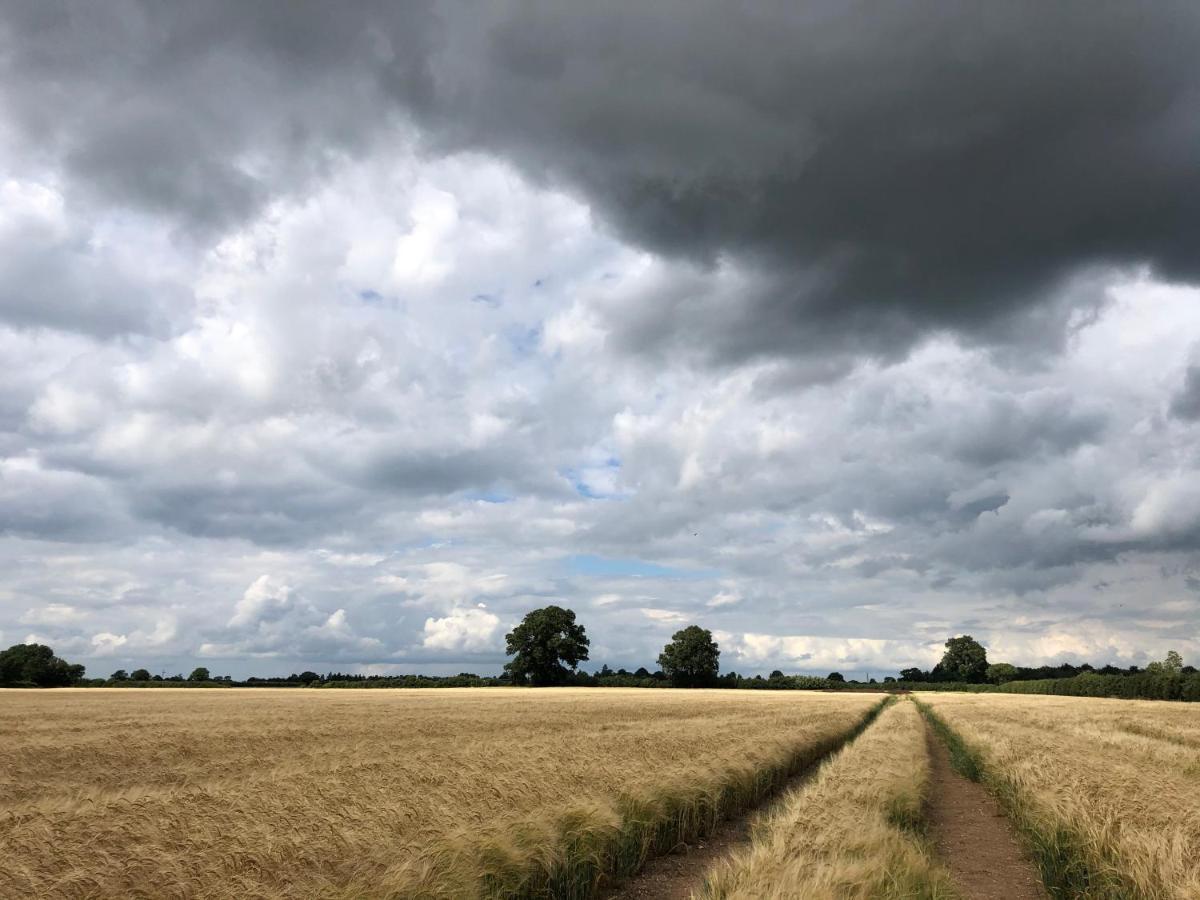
(245,793)
(1107,790)
(851,833)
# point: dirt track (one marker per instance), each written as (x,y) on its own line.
(675,876)
(971,835)
(973,838)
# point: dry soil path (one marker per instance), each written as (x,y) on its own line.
(675,876)
(973,838)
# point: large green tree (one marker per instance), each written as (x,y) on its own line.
(36,664)
(691,659)
(965,659)
(546,647)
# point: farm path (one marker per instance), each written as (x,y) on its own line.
(973,838)
(676,875)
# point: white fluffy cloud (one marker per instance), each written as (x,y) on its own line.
(263,601)
(462,630)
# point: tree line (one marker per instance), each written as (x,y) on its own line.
(549,644)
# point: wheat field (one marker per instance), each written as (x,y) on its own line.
(852,832)
(1108,791)
(453,793)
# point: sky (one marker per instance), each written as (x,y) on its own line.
(339,336)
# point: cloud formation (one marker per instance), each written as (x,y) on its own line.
(340,338)
(860,177)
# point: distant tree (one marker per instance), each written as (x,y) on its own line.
(776,673)
(692,657)
(199,674)
(546,647)
(140,675)
(604,672)
(913,675)
(889,679)
(642,672)
(965,659)
(835,676)
(1172,665)
(999,673)
(36,664)
(119,675)
(309,677)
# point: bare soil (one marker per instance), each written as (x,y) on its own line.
(676,875)
(973,838)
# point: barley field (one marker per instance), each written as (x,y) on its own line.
(849,833)
(462,793)
(1108,791)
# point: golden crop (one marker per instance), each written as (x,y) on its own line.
(849,832)
(372,793)
(1112,783)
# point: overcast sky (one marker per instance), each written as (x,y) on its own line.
(339,335)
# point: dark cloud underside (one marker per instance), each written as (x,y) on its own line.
(885,169)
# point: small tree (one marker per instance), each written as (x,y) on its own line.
(199,674)
(1171,666)
(913,674)
(119,675)
(999,673)
(546,647)
(835,676)
(140,675)
(691,659)
(965,659)
(309,677)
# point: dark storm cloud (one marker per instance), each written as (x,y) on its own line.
(893,168)
(884,170)
(205,111)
